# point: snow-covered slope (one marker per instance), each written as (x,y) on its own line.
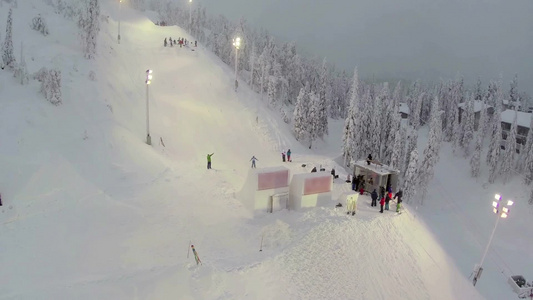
(92,212)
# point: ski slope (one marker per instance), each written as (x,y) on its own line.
(92,212)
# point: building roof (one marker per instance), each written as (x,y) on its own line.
(381,170)
(523,119)
(404,108)
(478,104)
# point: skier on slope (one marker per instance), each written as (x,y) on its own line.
(398,196)
(165,42)
(283,156)
(289,155)
(381,203)
(209,160)
(253,159)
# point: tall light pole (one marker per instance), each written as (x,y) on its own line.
(503,213)
(119,16)
(148,81)
(190,15)
(237,45)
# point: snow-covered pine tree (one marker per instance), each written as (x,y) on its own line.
(39,24)
(323,101)
(458,133)
(350,150)
(411,177)
(299,119)
(375,128)
(55,80)
(493,155)
(416,110)
(313,118)
(510,151)
(402,164)
(89,24)
(475,161)
(468,126)
(478,95)
(8,56)
(531,198)
(272,90)
(431,153)
(412,141)
(520,166)
(397,95)
(364,133)
(397,149)
(21,71)
(513,91)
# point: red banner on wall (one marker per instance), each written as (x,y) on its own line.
(317,185)
(273,180)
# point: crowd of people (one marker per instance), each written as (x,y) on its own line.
(179,42)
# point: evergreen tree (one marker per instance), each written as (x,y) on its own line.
(411,177)
(350,149)
(415,112)
(375,128)
(468,126)
(513,92)
(313,122)
(479,91)
(300,115)
(323,101)
(493,155)
(475,161)
(271,90)
(8,56)
(525,148)
(21,71)
(89,24)
(510,151)
(397,149)
(412,141)
(431,153)
(529,166)
(364,135)
(531,198)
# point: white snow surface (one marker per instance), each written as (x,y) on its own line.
(92,212)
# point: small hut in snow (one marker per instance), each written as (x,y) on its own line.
(310,189)
(376,175)
(266,190)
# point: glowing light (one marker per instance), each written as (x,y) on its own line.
(497,197)
(495,204)
(504,215)
(495,211)
(510,203)
(505,210)
(237,42)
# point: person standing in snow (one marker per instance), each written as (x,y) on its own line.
(381,203)
(374,197)
(398,196)
(369,159)
(283,156)
(165,43)
(357,180)
(253,159)
(209,160)
(387,200)
(289,155)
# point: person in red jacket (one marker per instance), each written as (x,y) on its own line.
(381,203)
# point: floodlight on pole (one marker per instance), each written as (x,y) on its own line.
(502,213)
(119,16)
(237,45)
(148,82)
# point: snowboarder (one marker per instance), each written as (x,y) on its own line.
(165,43)
(289,155)
(209,160)
(253,159)
(313,170)
(398,196)
(283,156)
(374,196)
(381,203)
(369,159)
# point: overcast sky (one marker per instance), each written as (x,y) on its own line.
(403,38)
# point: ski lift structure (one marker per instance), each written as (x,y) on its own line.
(376,174)
(521,287)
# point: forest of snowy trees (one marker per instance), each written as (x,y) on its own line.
(309,91)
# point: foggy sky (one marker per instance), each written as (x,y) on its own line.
(426,39)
